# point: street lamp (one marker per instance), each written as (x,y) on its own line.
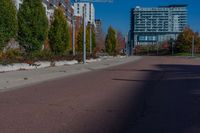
(84,34)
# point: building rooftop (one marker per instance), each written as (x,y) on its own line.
(169,6)
(176,5)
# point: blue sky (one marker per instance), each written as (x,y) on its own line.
(117,13)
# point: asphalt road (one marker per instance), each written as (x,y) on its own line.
(151,95)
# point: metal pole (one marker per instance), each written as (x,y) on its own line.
(193,46)
(90,30)
(73,36)
(172,48)
(84,35)
(127,48)
(90,38)
(131,48)
(157,48)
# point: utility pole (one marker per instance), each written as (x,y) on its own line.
(90,38)
(84,34)
(193,46)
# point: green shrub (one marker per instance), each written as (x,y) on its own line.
(40,56)
(11,56)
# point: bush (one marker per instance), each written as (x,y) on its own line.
(33,25)
(39,56)
(11,56)
(59,33)
(8,22)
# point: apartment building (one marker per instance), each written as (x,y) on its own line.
(89,12)
(50,6)
(157,24)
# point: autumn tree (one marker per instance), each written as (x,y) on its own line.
(93,38)
(120,42)
(184,40)
(197,41)
(79,41)
(100,41)
(88,37)
(8,22)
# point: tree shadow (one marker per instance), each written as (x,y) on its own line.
(168,102)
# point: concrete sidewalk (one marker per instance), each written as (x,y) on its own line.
(17,79)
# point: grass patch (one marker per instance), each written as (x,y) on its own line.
(187,54)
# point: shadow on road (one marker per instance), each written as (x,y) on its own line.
(169,101)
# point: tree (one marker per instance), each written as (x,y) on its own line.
(110,41)
(59,33)
(8,22)
(88,38)
(100,39)
(120,42)
(197,42)
(79,40)
(33,25)
(93,39)
(184,40)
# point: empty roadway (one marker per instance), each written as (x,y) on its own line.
(150,95)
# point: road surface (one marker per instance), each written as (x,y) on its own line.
(151,95)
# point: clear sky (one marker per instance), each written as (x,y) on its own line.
(117,13)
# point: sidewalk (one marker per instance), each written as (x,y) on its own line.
(17,79)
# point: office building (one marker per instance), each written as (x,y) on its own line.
(157,24)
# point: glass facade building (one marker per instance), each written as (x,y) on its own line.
(158,24)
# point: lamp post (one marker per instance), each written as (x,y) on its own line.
(84,34)
(73,35)
(90,38)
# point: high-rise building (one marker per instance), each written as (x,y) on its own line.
(90,11)
(157,24)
